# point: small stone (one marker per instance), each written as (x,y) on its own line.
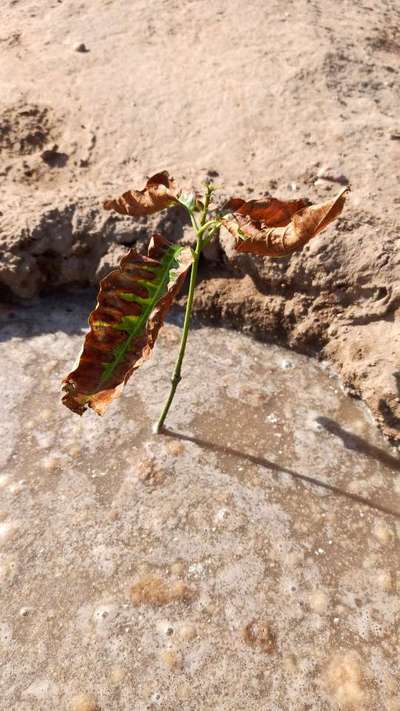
(259,634)
(286,364)
(165,628)
(80,47)
(221,514)
(196,569)
(272,418)
(25,611)
(322,183)
(332,174)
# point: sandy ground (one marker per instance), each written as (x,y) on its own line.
(290,98)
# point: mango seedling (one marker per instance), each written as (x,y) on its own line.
(134,299)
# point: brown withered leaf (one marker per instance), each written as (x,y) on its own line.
(276,228)
(131,307)
(159,193)
(269,211)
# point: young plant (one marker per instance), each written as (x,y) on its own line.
(134,299)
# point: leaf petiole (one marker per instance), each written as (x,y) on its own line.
(206,226)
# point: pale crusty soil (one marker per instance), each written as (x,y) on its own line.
(272,96)
(247,561)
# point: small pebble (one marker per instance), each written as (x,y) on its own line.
(221,514)
(196,569)
(272,418)
(258,633)
(80,47)
(286,364)
(165,628)
(332,174)
(322,183)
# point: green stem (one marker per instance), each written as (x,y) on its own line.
(177,377)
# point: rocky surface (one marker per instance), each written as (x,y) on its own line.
(249,559)
(293,99)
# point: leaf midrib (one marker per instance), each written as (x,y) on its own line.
(110,367)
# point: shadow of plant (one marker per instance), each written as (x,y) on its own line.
(272,466)
(358,444)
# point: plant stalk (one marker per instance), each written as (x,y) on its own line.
(177,376)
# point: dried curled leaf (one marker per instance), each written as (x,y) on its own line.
(275,228)
(131,307)
(159,193)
